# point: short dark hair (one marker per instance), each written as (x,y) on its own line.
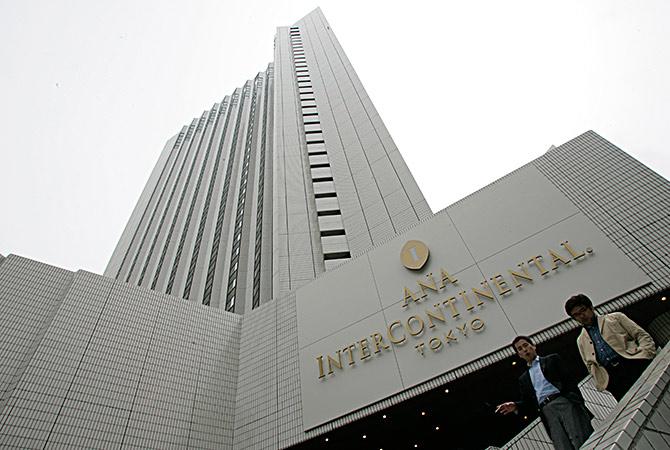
(521,338)
(577,300)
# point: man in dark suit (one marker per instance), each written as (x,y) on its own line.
(547,387)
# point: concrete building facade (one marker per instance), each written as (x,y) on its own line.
(286,178)
(327,306)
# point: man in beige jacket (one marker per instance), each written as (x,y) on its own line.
(615,349)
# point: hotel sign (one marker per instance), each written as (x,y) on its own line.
(414,255)
(437,300)
(449,291)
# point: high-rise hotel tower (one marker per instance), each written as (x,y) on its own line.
(286,178)
(327,306)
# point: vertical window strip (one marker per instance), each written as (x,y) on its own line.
(239,219)
(189,134)
(211,268)
(177,145)
(169,202)
(216,121)
(208,200)
(256,298)
(182,197)
(304,73)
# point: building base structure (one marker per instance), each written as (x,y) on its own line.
(405,345)
(639,421)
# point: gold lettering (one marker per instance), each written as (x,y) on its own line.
(332,362)
(574,254)
(555,257)
(408,295)
(450,337)
(477,324)
(466,300)
(390,333)
(501,284)
(377,341)
(517,275)
(319,360)
(463,329)
(444,276)
(438,314)
(423,285)
(537,260)
(365,350)
(432,343)
(350,350)
(486,293)
(450,303)
(409,326)
(415,325)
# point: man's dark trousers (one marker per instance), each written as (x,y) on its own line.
(566,418)
(624,375)
(569,425)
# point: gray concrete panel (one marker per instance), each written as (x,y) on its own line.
(320,316)
(520,204)
(135,360)
(338,394)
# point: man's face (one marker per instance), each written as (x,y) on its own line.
(525,350)
(583,314)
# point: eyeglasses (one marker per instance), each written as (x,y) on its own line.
(578,310)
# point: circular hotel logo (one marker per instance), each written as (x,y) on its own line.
(414,255)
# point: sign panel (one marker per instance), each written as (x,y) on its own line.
(426,303)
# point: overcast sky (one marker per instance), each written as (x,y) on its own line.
(470,90)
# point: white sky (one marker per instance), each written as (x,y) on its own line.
(470,90)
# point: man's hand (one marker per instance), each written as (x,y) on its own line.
(506,408)
(642,338)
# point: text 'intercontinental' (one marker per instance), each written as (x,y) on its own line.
(444,316)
